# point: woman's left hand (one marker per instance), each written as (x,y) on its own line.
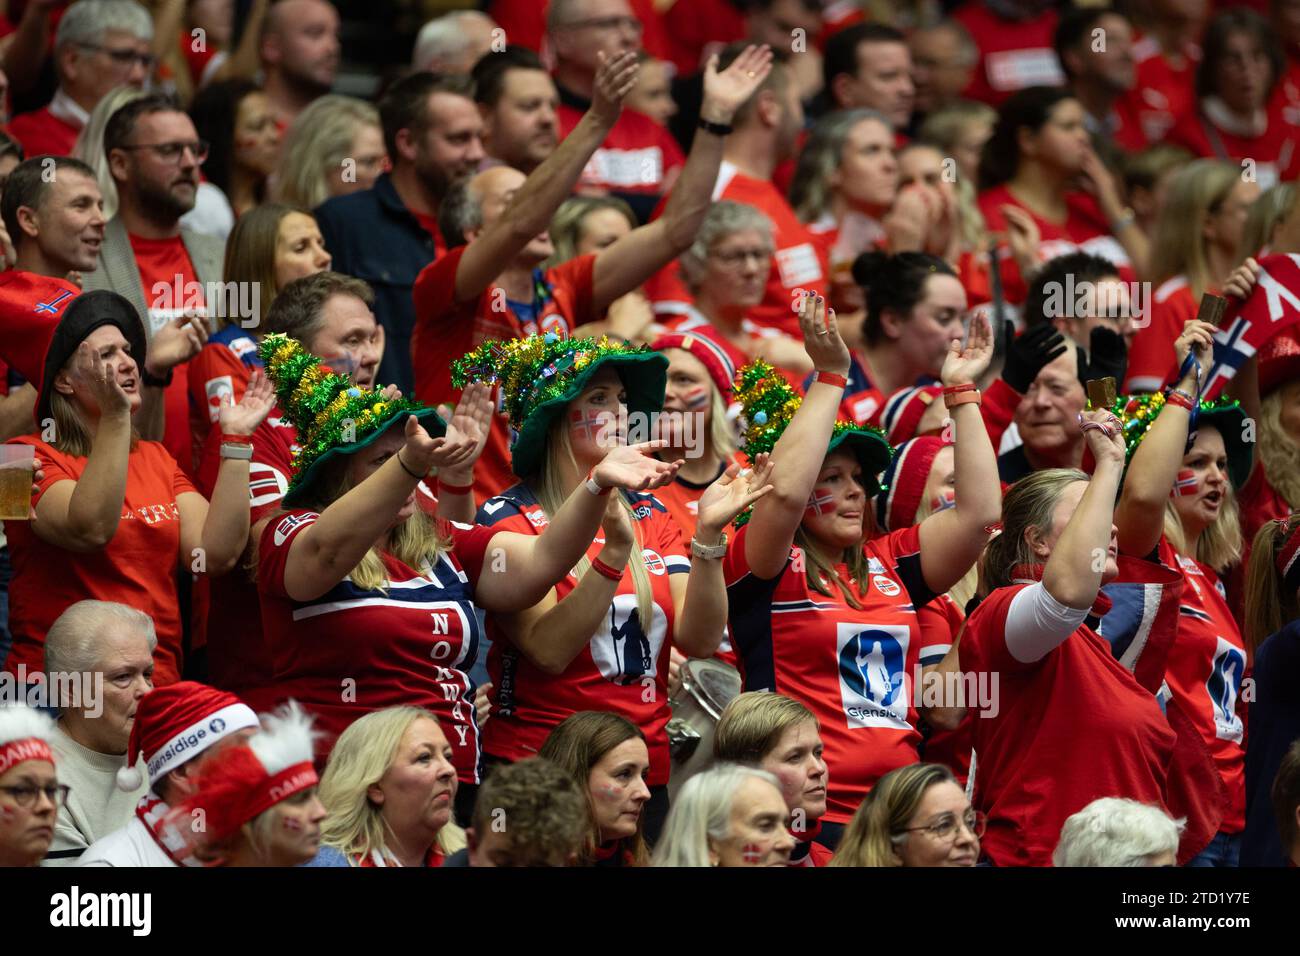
(964,366)
(258,400)
(470,421)
(733,492)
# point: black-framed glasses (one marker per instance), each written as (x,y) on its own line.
(123,56)
(172,152)
(735,258)
(946,829)
(607,23)
(25,797)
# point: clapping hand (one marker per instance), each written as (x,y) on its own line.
(733,492)
(726,92)
(615,78)
(634,468)
(471,419)
(258,400)
(965,364)
(821,335)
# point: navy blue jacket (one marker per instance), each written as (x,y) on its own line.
(374,237)
(1274,724)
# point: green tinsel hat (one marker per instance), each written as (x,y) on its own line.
(1138,412)
(541,374)
(768,403)
(333,416)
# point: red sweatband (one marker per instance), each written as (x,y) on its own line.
(604,570)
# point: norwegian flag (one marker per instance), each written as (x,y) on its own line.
(1272,307)
(819,501)
(591,424)
(1185,484)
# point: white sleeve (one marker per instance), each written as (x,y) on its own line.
(1037,623)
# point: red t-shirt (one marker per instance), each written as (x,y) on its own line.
(169,281)
(799,261)
(446,329)
(1151,359)
(1070,728)
(222,368)
(1273,152)
(941,621)
(40,132)
(852,667)
(350,652)
(1013,55)
(623,669)
(1286,96)
(137,567)
(1204,672)
(29,305)
(1163,92)
(636,157)
(1085,228)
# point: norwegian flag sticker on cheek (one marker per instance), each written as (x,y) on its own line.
(819,502)
(1186,484)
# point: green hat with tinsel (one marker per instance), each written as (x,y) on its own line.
(541,374)
(1138,412)
(333,416)
(768,403)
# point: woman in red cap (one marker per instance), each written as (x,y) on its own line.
(116,515)
(257,800)
(30,794)
(822,606)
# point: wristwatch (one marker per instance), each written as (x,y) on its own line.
(709,552)
(240,452)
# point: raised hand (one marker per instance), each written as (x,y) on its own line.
(421,453)
(821,335)
(634,467)
(98,377)
(965,364)
(726,92)
(1027,355)
(733,492)
(1242,281)
(1196,336)
(1023,236)
(615,78)
(258,400)
(471,419)
(1104,433)
(178,341)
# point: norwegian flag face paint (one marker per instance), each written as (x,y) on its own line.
(1186,484)
(819,502)
(943,502)
(292,824)
(696,397)
(596,426)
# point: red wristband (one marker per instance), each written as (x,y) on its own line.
(958,389)
(831,378)
(1177,398)
(961,398)
(454,489)
(604,570)
(236,439)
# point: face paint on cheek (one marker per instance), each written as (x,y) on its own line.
(752,852)
(943,501)
(696,397)
(592,425)
(292,824)
(819,502)
(1187,483)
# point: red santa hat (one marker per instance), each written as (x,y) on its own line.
(24,735)
(239,783)
(708,350)
(1279,361)
(903,410)
(903,482)
(176,723)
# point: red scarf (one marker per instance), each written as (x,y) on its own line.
(1029,573)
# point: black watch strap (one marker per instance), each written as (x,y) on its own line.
(153,381)
(717,129)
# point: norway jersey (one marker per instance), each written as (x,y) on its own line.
(352,651)
(220,371)
(1163,92)
(1014,54)
(1273,147)
(852,667)
(1204,673)
(1068,728)
(29,305)
(624,667)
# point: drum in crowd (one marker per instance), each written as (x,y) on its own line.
(704,689)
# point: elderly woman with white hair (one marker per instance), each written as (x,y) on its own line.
(726,270)
(99,660)
(729,815)
(1113,831)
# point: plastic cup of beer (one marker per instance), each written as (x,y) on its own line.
(17,463)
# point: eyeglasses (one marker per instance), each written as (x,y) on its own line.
(25,797)
(946,829)
(172,152)
(734,258)
(608,23)
(123,57)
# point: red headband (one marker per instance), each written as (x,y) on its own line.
(20,751)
